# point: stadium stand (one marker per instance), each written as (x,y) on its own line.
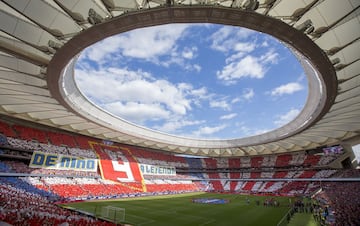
(283,160)
(234,163)
(341,200)
(22,204)
(7,130)
(37,41)
(248,175)
(256,162)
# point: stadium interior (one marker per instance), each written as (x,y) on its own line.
(53,151)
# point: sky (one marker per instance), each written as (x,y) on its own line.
(204,81)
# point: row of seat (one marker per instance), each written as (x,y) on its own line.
(42,136)
(62,140)
(21,206)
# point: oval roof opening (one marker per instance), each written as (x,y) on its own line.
(206,81)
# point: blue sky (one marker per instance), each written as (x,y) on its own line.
(195,80)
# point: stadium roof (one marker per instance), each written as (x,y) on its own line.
(41,39)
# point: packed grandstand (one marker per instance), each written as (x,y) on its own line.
(41,167)
(56,147)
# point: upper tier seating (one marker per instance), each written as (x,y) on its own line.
(194,163)
(7,130)
(59,139)
(22,137)
(256,161)
(30,134)
(234,163)
(149,154)
(311,160)
(283,160)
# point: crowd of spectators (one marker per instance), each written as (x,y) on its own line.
(20,167)
(286,161)
(166,160)
(349,173)
(172,160)
(15,153)
(20,207)
(34,145)
(280,187)
(69,177)
(74,184)
(343,201)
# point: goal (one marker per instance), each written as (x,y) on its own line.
(113,214)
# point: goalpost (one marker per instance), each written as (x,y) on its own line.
(113,214)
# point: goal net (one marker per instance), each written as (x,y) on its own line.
(113,214)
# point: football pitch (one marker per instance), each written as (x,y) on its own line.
(180,210)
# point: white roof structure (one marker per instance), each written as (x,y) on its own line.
(41,39)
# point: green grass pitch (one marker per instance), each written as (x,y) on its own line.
(179,210)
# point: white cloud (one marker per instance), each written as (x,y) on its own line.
(145,43)
(239,65)
(248,66)
(244,47)
(237,44)
(189,53)
(158,44)
(174,125)
(208,130)
(287,117)
(241,49)
(234,57)
(101,49)
(189,66)
(236,100)
(130,90)
(270,57)
(197,67)
(223,104)
(287,89)
(227,37)
(157,41)
(229,116)
(265,44)
(248,94)
(200,93)
(184,58)
(137,113)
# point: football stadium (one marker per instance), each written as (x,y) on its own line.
(90,136)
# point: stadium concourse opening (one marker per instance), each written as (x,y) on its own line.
(64,161)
